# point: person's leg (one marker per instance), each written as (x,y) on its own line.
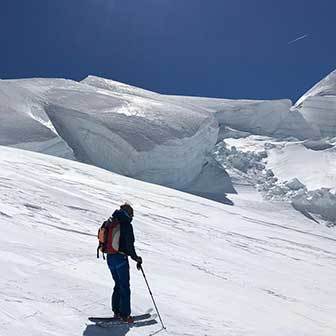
(115,302)
(113,261)
(124,288)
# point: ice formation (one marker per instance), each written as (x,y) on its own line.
(168,140)
(265,117)
(318,105)
(284,171)
(115,127)
(24,124)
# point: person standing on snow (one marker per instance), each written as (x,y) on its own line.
(119,265)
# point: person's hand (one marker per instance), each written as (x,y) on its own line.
(139,263)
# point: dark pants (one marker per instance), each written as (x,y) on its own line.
(121,297)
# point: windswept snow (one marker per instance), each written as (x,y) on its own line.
(318,105)
(118,87)
(254,269)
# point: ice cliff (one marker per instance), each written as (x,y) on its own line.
(264,117)
(318,105)
(111,127)
(139,133)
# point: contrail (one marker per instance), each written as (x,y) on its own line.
(298,39)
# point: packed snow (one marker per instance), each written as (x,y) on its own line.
(257,268)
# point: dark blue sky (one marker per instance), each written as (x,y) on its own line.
(216,48)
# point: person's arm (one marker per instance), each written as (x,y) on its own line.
(128,236)
(130,243)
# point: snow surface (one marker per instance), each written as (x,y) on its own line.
(257,268)
(318,105)
(315,169)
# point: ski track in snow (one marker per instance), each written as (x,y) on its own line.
(252,269)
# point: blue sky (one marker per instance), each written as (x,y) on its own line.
(215,48)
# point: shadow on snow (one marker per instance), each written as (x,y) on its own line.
(114,330)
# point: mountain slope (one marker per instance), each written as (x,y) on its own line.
(253,269)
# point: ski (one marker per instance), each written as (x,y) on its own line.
(139,320)
(140,323)
(114,319)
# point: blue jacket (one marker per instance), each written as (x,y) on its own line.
(126,243)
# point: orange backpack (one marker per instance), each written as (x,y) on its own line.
(108,237)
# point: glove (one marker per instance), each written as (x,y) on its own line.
(139,263)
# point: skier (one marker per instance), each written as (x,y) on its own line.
(119,266)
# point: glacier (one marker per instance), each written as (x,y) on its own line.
(164,139)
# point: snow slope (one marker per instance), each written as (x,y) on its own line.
(315,169)
(318,105)
(253,269)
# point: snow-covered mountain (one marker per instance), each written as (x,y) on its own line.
(253,269)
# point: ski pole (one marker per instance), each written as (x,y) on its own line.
(150,292)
